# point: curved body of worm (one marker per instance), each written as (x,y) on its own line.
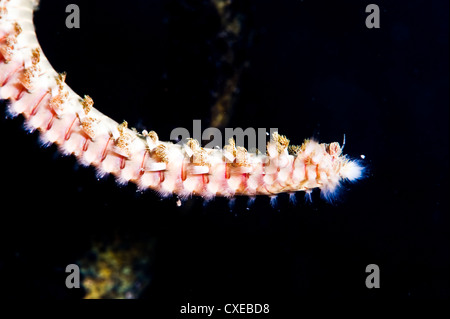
(35,90)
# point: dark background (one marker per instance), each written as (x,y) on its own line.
(313,69)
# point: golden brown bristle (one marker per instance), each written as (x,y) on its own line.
(87,104)
(87,126)
(281,141)
(161,153)
(294,150)
(152,136)
(241,156)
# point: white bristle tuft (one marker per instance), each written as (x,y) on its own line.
(351,171)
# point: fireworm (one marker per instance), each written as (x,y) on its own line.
(35,90)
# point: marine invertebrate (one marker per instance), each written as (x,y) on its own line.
(35,90)
(116,270)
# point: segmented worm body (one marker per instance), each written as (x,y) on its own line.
(35,90)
